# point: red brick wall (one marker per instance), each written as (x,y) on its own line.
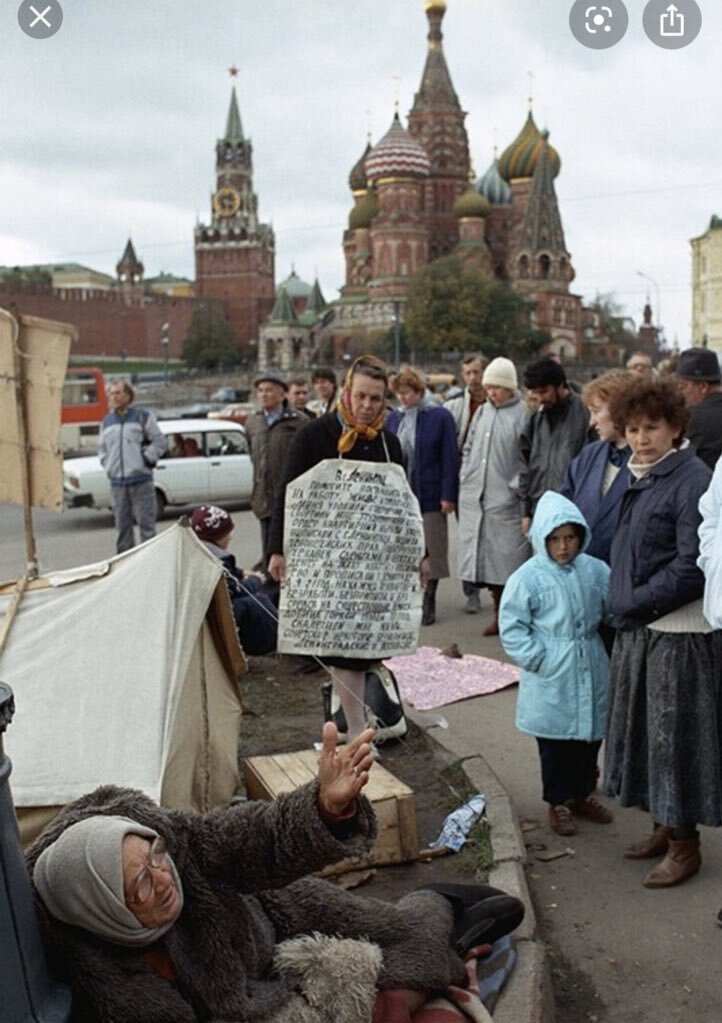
(107,323)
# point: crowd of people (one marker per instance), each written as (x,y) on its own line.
(592,514)
(580,509)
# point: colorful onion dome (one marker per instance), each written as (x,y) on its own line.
(470,204)
(397,155)
(357,177)
(493,187)
(364,211)
(521,157)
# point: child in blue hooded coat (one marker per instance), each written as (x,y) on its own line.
(549,618)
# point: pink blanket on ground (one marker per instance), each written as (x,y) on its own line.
(429,679)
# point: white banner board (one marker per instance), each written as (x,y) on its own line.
(353,542)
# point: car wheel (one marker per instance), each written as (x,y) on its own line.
(159,505)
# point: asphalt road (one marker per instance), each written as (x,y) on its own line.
(626,954)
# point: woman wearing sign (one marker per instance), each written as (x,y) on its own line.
(355,430)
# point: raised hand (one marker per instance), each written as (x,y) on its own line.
(343,770)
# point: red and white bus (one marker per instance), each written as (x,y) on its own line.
(85,402)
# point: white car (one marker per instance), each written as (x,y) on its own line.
(206,462)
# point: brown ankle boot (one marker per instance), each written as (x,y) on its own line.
(682,861)
(492,628)
(655,844)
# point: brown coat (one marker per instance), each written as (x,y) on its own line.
(269,447)
(244,891)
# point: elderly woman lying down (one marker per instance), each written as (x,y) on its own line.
(160,916)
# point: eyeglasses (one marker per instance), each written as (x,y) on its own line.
(143,886)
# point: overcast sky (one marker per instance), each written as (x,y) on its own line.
(108,128)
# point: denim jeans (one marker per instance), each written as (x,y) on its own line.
(133,502)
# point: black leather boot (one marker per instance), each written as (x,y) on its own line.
(428,613)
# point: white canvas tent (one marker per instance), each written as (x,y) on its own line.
(125,672)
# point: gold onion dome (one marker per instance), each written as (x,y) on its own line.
(435,5)
(521,157)
(357,177)
(364,211)
(470,204)
(397,155)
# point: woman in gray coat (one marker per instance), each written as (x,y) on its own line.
(492,543)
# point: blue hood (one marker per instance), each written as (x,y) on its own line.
(553,511)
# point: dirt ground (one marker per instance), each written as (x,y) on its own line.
(283,712)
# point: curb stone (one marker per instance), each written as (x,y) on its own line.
(528,998)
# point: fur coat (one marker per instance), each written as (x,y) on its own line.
(242,870)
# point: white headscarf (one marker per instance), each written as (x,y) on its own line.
(80,880)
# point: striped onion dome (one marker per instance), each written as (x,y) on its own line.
(521,157)
(357,177)
(493,187)
(397,155)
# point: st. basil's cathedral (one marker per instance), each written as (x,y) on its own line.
(415,200)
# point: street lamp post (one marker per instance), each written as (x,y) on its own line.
(397,334)
(165,345)
(659,301)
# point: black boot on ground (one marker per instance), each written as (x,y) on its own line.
(428,613)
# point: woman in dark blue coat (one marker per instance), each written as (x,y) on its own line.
(664,728)
(427,433)
(597,478)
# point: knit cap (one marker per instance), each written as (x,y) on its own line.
(211,523)
(501,372)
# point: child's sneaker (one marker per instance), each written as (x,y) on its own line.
(591,809)
(560,820)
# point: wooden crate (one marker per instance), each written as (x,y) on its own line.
(393,801)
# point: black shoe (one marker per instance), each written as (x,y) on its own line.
(487,921)
(461,896)
(482,914)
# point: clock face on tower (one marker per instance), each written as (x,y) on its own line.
(226,202)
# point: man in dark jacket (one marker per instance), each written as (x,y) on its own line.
(270,431)
(698,374)
(555,433)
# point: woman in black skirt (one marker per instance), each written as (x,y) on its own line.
(664,730)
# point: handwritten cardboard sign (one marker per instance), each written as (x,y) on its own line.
(353,542)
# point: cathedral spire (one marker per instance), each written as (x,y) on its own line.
(436,89)
(541,236)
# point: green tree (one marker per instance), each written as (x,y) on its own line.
(447,303)
(452,305)
(209,343)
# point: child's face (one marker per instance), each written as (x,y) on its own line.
(563,544)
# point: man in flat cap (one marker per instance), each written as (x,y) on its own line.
(698,375)
(270,431)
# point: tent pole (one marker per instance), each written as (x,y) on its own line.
(21,408)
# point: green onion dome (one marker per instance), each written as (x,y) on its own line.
(364,211)
(470,204)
